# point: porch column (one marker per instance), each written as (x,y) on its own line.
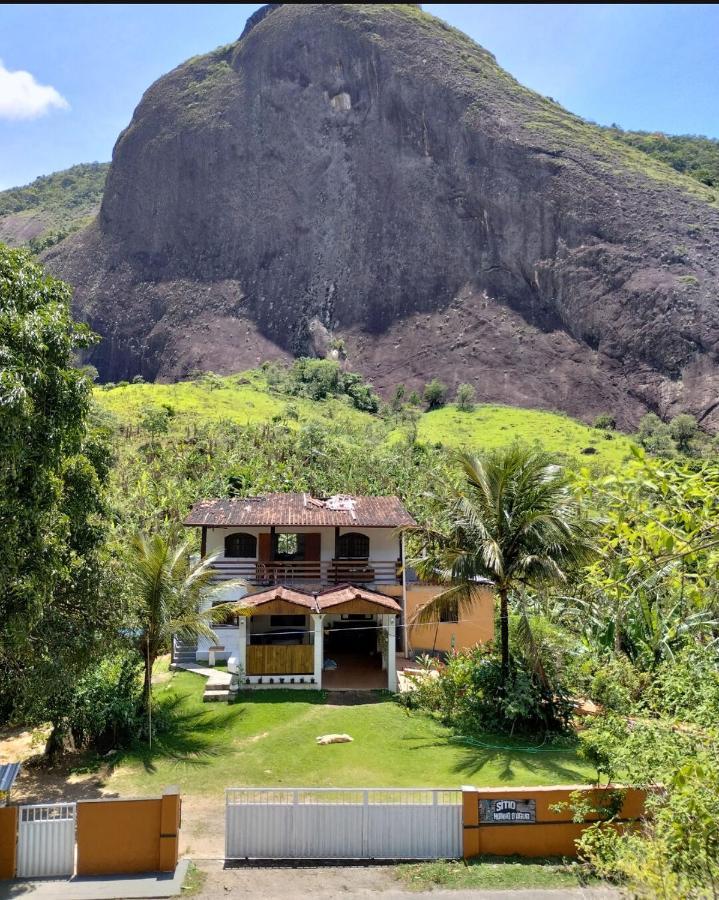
(390,624)
(319,648)
(242,645)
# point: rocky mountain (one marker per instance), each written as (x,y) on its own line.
(366,173)
(52,207)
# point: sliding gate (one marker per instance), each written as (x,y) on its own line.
(352,823)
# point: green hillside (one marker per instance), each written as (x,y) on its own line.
(41,214)
(689,154)
(248,399)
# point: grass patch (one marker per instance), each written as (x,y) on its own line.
(489,427)
(494,873)
(194,881)
(246,399)
(267,738)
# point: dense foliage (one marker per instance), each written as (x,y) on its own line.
(318,379)
(688,153)
(54,610)
(79,186)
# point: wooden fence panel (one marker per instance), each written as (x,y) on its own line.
(279,659)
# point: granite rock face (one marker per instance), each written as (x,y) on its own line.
(369,173)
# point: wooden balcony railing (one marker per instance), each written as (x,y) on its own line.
(279,572)
(357,571)
(280,659)
(336,571)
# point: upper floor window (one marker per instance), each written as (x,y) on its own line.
(241,544)
(353,546)
(289,546)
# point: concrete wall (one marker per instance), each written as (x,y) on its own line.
(553,834)
(473,627)
(8,835)
(116,837)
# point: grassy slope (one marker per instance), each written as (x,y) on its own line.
(61,202)
(245,398)
(269,740)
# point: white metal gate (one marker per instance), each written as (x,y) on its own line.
(352,823)
(46,840)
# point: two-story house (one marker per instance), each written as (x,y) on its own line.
(329,598)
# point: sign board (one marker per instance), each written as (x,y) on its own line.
(507,812)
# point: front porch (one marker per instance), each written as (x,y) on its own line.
(339,639)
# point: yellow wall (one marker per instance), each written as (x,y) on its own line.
(115,837)
(8,833)
(474,627)
(553,834)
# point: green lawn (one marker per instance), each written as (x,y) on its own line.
(491,873)
(268,739)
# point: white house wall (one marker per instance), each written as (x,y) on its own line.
(383,542)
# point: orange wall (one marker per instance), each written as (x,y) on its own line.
(553,834)
(474,627)
(122,836)
(8,835)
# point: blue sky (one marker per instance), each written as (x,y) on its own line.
(651,67)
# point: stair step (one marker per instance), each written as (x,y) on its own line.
(215,696)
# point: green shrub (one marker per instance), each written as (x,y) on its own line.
(435,394)
(467,694)
(465,397)
(605,422)
(106,713)
(687,687)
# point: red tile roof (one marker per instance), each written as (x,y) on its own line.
(300,510)
(323,601)
(344,593)
(280,592)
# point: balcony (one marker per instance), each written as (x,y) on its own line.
(308,572)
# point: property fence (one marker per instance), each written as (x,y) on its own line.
(329,823)
(90,837)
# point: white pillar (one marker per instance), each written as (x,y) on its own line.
(391,625)
(242,645)
(319,648)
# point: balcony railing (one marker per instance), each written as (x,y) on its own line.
(336,571)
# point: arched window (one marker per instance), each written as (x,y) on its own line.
(353,546)
(241,544)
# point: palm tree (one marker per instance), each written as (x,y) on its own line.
(511,520)
(166,594)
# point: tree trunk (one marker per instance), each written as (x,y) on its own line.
(504,633)
(147,685)
(58,743)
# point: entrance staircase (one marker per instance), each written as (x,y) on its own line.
(183,651)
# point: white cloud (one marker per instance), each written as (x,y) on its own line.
(21,97)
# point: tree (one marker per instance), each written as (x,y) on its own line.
(166,592)
(683,429)
(465,397)
(654,435)
(55,617)
(435,394)
(398,398)
(511,519)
